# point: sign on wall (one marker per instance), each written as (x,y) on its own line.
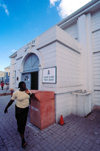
(49,75)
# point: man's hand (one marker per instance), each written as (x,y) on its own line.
(5,111)
(6,108)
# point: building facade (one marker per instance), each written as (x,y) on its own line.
(4,75)
(84,26)
(65,59)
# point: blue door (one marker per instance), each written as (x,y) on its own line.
(26,77)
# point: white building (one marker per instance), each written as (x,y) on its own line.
(65,59)
(7,69)
(4,75)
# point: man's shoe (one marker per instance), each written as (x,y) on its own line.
(24,143)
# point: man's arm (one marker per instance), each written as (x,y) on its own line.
(8,105)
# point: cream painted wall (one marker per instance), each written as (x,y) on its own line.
(72,30)
(95,20)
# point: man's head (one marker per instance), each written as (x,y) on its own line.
(22,86)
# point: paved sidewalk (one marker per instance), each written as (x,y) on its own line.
(77,134)
(5,90)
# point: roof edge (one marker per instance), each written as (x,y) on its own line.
(79,11)
(13,55)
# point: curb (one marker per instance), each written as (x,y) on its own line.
(4,94)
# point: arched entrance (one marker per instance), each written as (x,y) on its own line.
(30,71)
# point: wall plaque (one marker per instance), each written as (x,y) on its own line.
(49,75)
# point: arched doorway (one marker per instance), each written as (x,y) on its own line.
(30,71)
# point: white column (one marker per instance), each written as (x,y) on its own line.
(85,35)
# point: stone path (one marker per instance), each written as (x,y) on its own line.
(77,134)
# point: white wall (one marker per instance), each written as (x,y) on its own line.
(12,73)
(64,104)
(68,71)
(68,57)
(95,20)
(68,62)
(49,60)
(87,31)
(72,30)
(96,56)
(85,35)
(46,38)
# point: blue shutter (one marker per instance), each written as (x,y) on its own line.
(31,63)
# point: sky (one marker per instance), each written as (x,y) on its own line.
(23,20)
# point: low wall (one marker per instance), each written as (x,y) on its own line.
(67,103)
(63,104)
